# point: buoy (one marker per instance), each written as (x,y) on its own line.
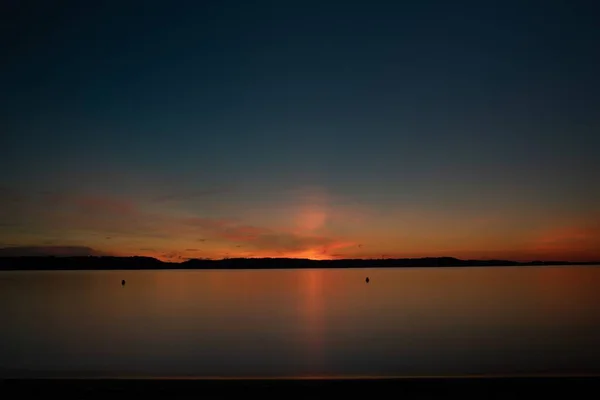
(123,282)
(367,280)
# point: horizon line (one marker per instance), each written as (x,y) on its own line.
(591,261)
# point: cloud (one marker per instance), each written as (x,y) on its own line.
(266,239)
(62,251)
(293,242)
(130,224)
(100,213)
(577,241)
(574,236)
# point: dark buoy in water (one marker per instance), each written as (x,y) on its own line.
(367,280)
(123,282)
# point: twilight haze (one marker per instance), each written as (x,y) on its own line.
(301,129)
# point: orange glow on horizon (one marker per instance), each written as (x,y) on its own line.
(310,224)
(326,254)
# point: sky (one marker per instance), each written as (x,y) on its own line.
(319,129)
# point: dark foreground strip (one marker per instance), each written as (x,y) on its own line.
(422,388)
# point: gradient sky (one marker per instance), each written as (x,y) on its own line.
(301,128)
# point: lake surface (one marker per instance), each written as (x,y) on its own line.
(301,323)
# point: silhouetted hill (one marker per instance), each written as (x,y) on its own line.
(137,262)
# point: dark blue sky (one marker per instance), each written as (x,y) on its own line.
(485,107)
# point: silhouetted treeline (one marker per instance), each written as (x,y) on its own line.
(124,263)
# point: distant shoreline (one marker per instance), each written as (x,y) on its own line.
(94,263)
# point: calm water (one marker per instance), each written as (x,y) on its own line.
(451,321)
